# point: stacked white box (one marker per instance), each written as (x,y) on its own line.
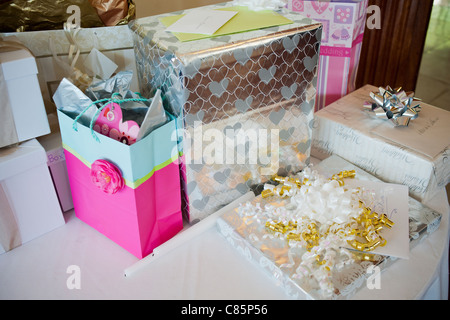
(22,109)
(29,205)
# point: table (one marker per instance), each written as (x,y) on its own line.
(77,262)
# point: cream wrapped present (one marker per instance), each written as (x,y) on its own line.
(246,95)
(415,155)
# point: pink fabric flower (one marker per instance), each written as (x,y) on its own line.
(106,176)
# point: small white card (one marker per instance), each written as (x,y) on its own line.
(202,21)
(392,200)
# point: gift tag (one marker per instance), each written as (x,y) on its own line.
(109,123)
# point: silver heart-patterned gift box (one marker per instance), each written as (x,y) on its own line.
(246,101)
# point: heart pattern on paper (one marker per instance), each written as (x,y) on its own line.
(320,6)
(191,119)
(303,147)
(286,134)
(243,55)
(193,68)
(242,188)
(267,74)
(289,92)
(222,177)
(242,106)
(291,43)
(217,88)
(310,63)
(191,186)
(277,116)
(197,167)
(200,204)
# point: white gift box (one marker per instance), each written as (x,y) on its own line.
(29,205)
(414,155)
(56,162)
(22,111)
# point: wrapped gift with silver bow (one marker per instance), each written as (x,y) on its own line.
(388,137)
(396,105)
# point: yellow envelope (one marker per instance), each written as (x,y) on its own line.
(244,20)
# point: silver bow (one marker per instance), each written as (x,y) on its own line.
(394,104)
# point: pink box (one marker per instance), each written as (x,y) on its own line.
(343,31)
(56,163)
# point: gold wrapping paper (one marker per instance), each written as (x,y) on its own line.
(114,12)
(34,15)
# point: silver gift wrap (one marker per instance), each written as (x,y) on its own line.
(246,100)
(250,237)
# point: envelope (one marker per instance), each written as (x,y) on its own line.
(244,20)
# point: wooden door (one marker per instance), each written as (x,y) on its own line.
(392,54)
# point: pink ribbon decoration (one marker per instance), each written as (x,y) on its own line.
(106,176)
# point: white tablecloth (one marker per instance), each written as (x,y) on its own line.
(206,267)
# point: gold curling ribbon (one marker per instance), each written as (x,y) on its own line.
(342,175)
(369,223)
(296,181)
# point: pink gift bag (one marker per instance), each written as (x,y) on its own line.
(343,30)
(129,193)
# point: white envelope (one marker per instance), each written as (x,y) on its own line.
(203,21)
